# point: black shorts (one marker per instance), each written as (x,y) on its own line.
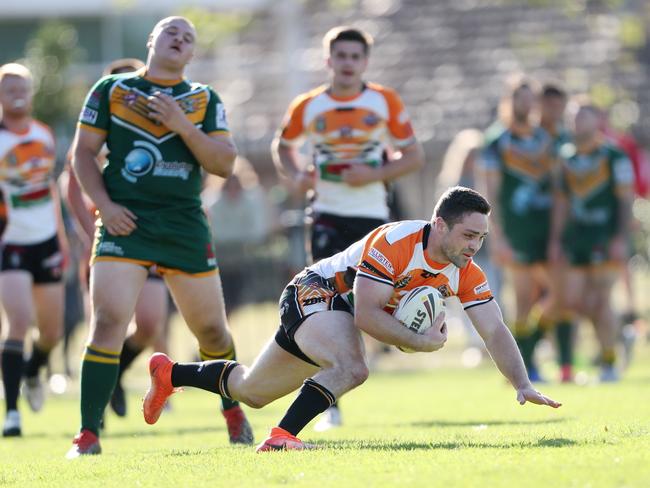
(43,260)
(331,234)
(307,294)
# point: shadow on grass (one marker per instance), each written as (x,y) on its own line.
(553,442)
(152,432)
(489,423)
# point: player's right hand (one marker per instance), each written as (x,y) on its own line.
(118,220)
(434,337)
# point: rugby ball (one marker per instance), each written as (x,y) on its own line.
(418,309)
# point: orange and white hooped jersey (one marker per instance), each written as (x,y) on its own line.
(395,254)
(345,131)
(27,163)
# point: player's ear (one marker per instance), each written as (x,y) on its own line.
(328,61)
(440,225)
(149,41)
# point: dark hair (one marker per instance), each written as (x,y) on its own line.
(124,65)
(459,201)
(344,33)
(553,90)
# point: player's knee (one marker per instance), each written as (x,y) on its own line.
(50,338)
(214,338)
(359,374)
(254,401)
(148,328)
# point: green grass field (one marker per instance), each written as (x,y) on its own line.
(420,420)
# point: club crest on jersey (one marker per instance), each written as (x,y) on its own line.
(346,131)
(445,291)
(371,120)
(130,98)
(187,104)
(320,124)
(402,282)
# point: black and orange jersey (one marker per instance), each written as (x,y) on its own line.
(395,254)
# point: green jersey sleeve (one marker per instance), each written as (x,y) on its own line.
(95,113)
(215,116)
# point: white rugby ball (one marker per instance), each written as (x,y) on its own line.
(418,309)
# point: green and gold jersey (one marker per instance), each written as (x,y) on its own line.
(526,159)
(150,169)
(593,179)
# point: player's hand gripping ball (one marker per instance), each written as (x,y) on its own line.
(418,309)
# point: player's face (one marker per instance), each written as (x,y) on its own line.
(465,238)
(16,96)
(172,43)
(347,61)
(585,123)
(553,108)
(523,101)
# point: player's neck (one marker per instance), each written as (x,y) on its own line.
(156,72)
(17,124)
(587,144)
(434,250)
(345,91)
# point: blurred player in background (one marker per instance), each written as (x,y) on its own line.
(152,308)
(518,167)
(161,130)
(351,126)
(325,308)
(591,222)
(34,245)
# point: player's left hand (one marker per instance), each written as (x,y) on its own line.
(531,395)
(166,110)
(360,175)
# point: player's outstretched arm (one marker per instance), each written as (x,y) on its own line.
(370,298)
(501,345)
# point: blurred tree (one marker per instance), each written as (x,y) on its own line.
(49,55)
(214,26)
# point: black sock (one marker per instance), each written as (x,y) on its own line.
(127,356)
(12,371)
(226,402)
(312,400)
(37,360)
(207,375)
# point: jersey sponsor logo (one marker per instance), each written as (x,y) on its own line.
(428,274)
(403,281)
(110,247)
(222,122)
(381,259)
(482,288)
(88,115)
(172,169)
(159,89)
(346,132)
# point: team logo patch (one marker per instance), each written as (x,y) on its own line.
(188,106)
(320,124)
(381,259)
(94,99)
(371,120)
(88,115)
(130,98)
(346,131)
(222,122)
(445,291)
(403,281)
(482,288)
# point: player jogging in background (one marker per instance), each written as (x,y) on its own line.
(34,246)
(518,167)
(351,126)
(325,308)
(161,130)
(152,308)
(591,222)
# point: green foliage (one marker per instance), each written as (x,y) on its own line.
(49,54)
(212,27)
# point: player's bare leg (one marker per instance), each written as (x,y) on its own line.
(114,288)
